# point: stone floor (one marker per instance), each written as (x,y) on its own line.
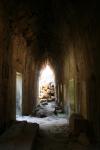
(54,134)
(50,121)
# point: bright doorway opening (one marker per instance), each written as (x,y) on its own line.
(47,90)
(18,94)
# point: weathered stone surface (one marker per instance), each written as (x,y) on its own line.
(20,136)
(75,122)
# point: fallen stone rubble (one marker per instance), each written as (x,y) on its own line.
(21,135)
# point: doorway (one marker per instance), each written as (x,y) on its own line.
(18,94)
(46,101)
(47,84)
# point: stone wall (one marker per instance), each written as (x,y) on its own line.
(81,62)
(16,55)
(4,68)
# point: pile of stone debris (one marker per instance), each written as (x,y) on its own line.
(47,108)
(20,135)
(47,91)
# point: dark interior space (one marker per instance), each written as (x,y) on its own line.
(49,75)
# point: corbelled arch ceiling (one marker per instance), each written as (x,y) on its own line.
(41,22)
(52,25)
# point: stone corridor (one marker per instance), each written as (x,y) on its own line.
(63,35)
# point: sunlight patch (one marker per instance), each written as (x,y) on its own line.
(47,83)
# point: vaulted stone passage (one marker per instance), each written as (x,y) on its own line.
(64,34)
